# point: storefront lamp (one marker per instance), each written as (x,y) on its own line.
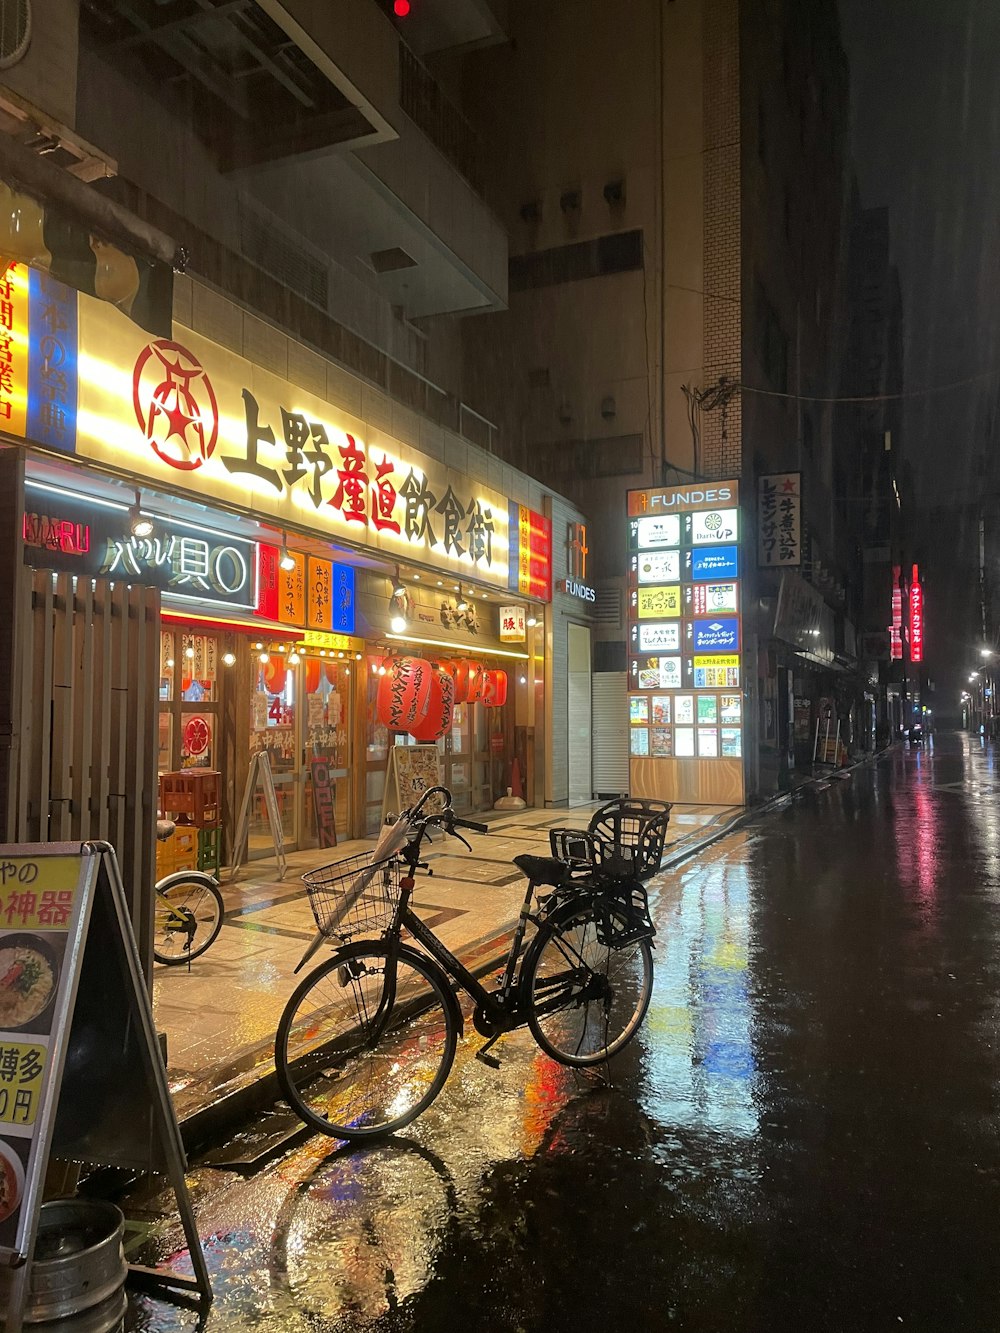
(189,653)
(398,626)
(463,602)
(140,524)
(286,560)
(264,658)
(229,659)
(293,658)
(532,620)
(170,664)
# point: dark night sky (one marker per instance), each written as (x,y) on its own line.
(926,137)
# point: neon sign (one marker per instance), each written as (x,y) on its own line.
(916,618)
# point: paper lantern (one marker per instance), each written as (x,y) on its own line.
(330,671)
(275,675)
(459,673)
(495,691)
(312,675)
(477,682)
(437,719)
(403,692)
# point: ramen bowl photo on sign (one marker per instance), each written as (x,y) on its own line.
(11,1181)
(28,975)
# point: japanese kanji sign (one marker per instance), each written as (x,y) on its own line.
(779,520)
(192,416)
(38,358)
(67,531)
(512,624)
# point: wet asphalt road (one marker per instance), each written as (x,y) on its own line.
(803,1137)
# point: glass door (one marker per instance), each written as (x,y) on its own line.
(275,709)
(326,717)
(189,700)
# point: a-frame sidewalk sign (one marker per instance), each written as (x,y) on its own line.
(81,1074)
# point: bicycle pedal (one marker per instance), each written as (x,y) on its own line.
(488,1059)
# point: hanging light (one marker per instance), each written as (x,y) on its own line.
(170,664)
(140,524)
(463,601)
(531,621)
(293,658)
(286,560)
(398,590)
(229,659)
(398,624)
(264,658)
(189,652)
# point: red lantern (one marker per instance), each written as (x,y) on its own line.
(312,675)
(477,682)
(275,674)
(330,672)
(403,692)
(495,693)
(440,709)
(459,672)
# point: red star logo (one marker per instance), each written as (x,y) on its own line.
(179,421)
(789,485)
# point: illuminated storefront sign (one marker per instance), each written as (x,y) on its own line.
(916,618)
(191,416)
(513,625)
(721,563)
(896,628)
(530,570)
(63,530)
(685,636)
(714,636)
(315,594)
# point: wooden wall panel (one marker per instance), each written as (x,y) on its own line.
(689,781)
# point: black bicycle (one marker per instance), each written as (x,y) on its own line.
(368,1038)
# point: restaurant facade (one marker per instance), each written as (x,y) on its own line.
(248,541)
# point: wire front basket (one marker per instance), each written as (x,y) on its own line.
(354,896)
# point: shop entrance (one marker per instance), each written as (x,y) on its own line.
(302,719)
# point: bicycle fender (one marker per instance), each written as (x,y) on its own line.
(405,951)
(186,877)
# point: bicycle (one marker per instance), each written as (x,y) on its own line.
(367,1039)
(188,910)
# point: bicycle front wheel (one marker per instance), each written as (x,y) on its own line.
(186,919)
(366,1042)
(587,999)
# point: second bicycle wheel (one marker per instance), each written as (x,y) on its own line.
(187,916)
(361,1052)
(587,999)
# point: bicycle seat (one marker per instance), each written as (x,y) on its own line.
(542,869)
(164,829)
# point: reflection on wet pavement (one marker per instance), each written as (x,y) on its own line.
(803,1136)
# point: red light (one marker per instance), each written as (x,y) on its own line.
(401,8)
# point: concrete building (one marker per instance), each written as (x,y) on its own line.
(676,183)
(257,228)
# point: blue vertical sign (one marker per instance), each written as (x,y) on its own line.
(343,611)
(52,363)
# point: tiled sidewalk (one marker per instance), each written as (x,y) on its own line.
(220,1016)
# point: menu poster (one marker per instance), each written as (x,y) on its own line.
(707,708)
(38,898)
(662,742)
(730,709)
(732,742)
(661,708)
(684,708)
(639,742)
(684,742)
(638,710)
(708,742)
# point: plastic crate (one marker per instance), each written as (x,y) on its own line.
(192,794)
(209,842)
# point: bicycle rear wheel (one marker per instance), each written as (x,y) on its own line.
(365,1045)
(187,916)
(587,999)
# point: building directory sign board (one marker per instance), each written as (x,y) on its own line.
(685,643)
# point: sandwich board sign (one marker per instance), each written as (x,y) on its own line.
(81,1074)
(259,772)
(411,770)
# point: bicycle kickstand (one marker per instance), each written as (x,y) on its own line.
(484,1055)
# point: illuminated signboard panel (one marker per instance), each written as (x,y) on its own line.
(187,415)
(916,618)
(530,571)
(686,738)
